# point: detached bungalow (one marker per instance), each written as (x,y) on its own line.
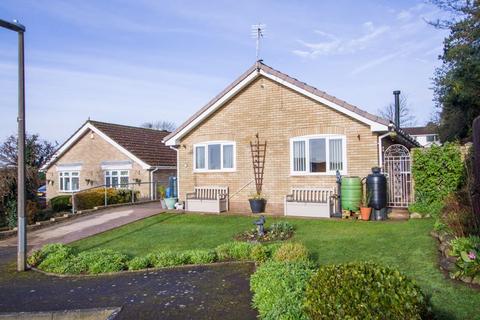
(309,134)
(114,155)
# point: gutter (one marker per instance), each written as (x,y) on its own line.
(178,170)
(152,192)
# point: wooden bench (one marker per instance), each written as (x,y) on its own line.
(208,199)
(309,202)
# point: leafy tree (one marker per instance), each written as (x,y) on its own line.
(37,151)
(457,81)
(160,125)
(407,119)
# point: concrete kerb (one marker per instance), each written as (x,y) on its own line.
(148,270)
(108,313)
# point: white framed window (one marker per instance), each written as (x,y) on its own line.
(117,179)
(214,156)
(69,181)
(432,138)
(318,155)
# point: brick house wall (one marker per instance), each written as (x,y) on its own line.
(277,113)
(90,150)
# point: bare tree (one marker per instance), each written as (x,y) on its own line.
(160,125)
(407,119)
(37,151)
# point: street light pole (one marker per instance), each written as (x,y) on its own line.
(21,224)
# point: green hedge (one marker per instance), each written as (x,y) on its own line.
(96,197)
(363,291)
(61,203)
(279,290)
(437,172)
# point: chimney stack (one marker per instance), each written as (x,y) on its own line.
(396,93)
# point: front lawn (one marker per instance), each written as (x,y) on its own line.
(405,245)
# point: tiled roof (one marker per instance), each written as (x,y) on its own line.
(416,131)
(261,66)
(146,144)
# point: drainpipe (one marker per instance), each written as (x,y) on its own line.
(152,190)
(178,171)
(380,149)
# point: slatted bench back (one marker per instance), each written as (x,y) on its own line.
(210,192)
(317,195)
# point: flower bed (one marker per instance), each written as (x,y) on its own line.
(281,230)
(460,256)
(63,259)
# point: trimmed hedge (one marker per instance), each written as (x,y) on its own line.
(291,252)
(96,197)
(61,203)
(279,289)
(363,291)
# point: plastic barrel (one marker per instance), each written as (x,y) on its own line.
(351,193)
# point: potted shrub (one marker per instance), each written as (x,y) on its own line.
(257,200)
(257,203)
(161,195)
(365,210)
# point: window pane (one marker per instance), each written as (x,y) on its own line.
(299,157)
(124,173)
(214,156)
(67,184)
(107,182)
(317,155)
(75,183)
(124,182)
(114,182)
(336,154)
(114,173)
(228,156)
(61,183)
(74,174)
(66,174)
(200,157)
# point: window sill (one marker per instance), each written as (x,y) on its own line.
(299,174)
(214,171)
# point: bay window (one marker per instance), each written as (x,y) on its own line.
(116,179)
(69,181)
(321,154)
(214,156)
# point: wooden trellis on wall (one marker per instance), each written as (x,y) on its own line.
(258,161)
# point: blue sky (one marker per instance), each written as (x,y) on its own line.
(135,61)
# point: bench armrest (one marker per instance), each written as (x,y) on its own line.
(289,198)
(191,195)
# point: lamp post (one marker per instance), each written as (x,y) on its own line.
(21,224)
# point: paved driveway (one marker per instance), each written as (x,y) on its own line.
(82,227)
(200,293)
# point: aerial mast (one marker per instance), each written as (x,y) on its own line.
(258,32)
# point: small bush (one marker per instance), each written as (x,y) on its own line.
(61,203)
(291,252)
(139,263)
(234,251)
(281,228)
(279,290)
(457,215)
(467,244)
(200,256)
(11,212)
(260,253)
(54,258)
(96,197)
(100,261)
(363,291)
(168,258)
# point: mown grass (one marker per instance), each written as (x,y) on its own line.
(405,245)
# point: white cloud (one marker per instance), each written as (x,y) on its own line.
(332,44)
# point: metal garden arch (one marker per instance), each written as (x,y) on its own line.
(398,167)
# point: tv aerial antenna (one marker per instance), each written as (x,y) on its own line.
(258,32)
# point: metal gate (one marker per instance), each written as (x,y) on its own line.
(399,175)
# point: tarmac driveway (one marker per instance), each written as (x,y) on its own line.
(88,225)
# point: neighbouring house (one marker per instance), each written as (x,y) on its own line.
(309,134)
(426,136)
(112,155)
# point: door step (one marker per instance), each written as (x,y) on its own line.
(398,214)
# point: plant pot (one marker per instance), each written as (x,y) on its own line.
(163,204)
(170,202)
(365,213)
(257,205)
